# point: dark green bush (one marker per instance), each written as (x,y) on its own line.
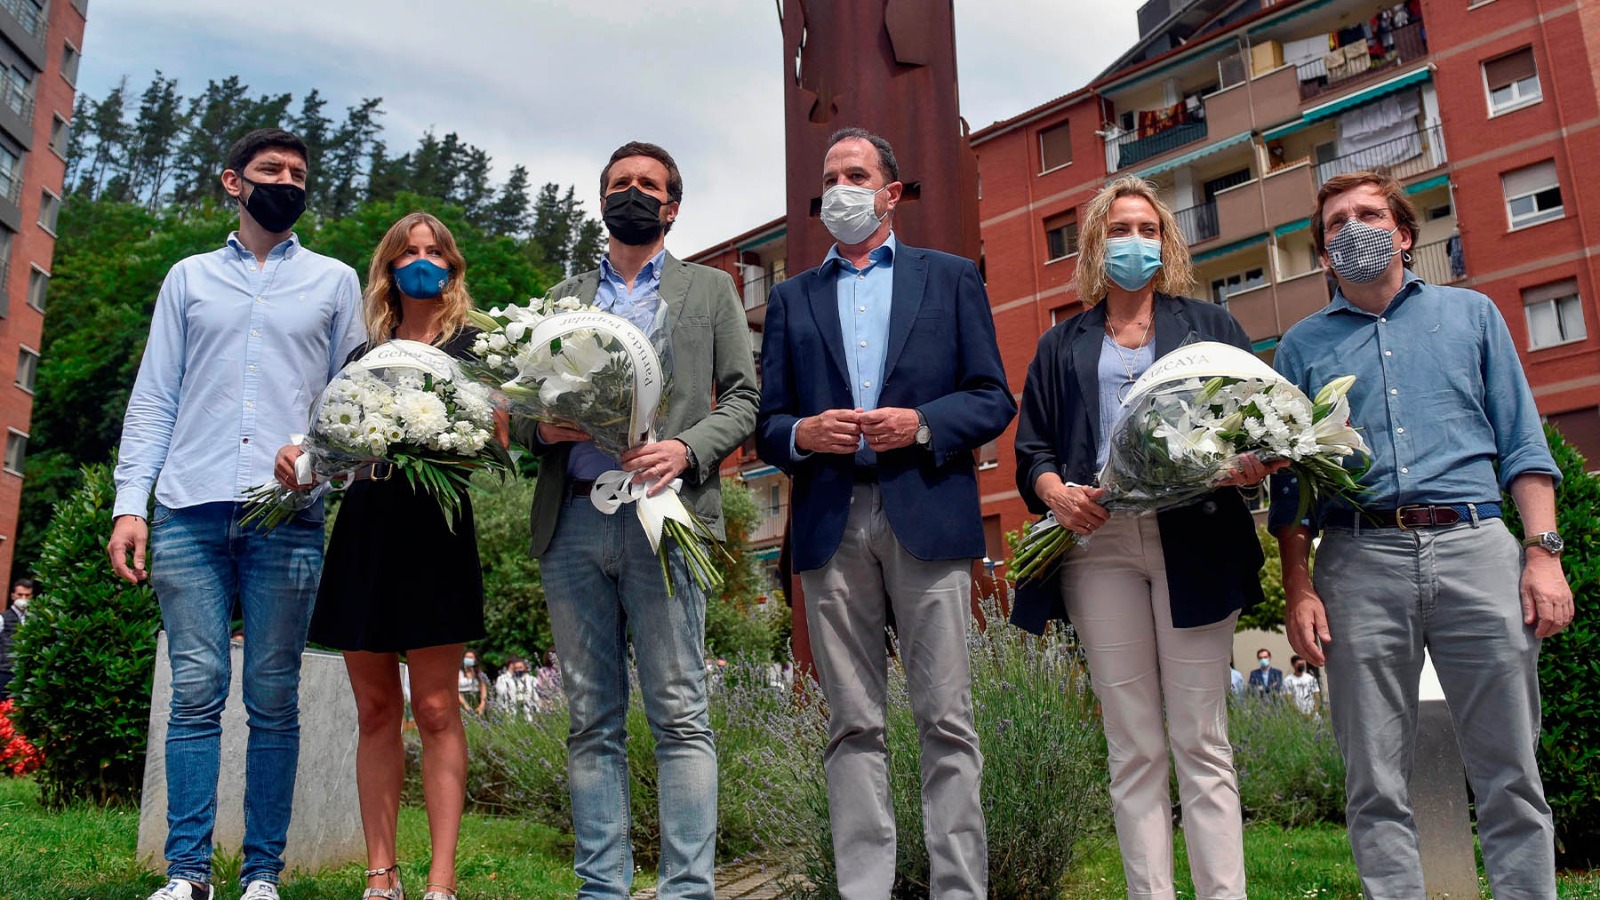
(514,614)
(86,657)
(1290,770)
(1569,666)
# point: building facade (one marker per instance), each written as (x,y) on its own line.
(40,45)
(1238,111)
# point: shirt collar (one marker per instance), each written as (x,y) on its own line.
(287,247)
(647,273)
(883,254)
(1411,279)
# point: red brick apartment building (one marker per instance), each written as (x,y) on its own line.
(40,45)
(1238,110)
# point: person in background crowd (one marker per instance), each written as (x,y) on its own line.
(1264,679)
(375,608)
(1154,599)
(243,339)
(472,686)
(13,612)
(516,692)
(880,378)
(1236,682)
(1426,562)
(1302,687)
(602,581)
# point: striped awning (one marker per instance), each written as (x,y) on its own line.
(1193,155)
(1292,227)
(1436,181)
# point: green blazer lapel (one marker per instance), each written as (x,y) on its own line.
(584,287)
(674,288)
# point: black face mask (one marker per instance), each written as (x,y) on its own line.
(275,207)
(633,217)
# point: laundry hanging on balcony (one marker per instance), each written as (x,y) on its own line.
(1383,133)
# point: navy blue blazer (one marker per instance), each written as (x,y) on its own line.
(941,359)
(1213,557)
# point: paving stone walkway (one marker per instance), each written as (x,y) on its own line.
(744,879)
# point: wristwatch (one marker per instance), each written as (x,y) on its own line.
(924,436)
(1549,540)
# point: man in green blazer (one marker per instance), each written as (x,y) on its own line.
(602,581)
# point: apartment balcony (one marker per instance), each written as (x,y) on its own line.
(1268,311)
(11,203)
(1436,264)
(1353,65)
(1198,223)
(755,293)
(23,24)
(771,528)
(16,122)
(1414,153)
(1130,149)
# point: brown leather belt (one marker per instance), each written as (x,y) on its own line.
(378,471)
(1417,516)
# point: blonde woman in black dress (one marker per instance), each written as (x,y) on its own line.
(376,603)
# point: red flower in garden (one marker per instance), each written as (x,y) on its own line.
(17,756)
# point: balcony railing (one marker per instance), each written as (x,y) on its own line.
(1198,223)
(1403,157)
(11,185)
(1435,263)
(757,289)
(1128,149)
(1318,76)
(27,12)
(771,527)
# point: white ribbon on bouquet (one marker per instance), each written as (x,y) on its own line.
(1203,360)
(615,488)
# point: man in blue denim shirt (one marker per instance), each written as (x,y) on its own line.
(243,340)
(1426,562)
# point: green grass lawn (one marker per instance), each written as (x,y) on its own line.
(1306,862)
(88,854)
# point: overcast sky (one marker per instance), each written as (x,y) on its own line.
(557,84)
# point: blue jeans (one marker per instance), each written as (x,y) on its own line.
(602,583)
(201,561)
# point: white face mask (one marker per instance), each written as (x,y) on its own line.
(850,213)
(21,603)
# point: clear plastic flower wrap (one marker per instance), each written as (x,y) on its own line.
(406,404)
(571,364)
(1186,424)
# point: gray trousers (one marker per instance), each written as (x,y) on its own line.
(846,609)
(1456,591)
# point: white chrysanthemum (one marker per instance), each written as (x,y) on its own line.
(423,413)
(496,342)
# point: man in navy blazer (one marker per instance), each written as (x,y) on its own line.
(880,377)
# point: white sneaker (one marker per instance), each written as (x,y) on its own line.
(178,889)
(260,890)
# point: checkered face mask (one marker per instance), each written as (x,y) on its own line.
(1359,253)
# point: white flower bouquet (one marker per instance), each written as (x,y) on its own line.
(568,363)
(403,403)
(1187,422)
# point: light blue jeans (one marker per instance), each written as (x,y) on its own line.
(603,583)
(201,561)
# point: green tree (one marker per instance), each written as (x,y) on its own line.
(1268,615)
(735,625)
(85,659)
(514,613)
(1569,665)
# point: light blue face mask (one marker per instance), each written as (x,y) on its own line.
(421,280)
(1132,261)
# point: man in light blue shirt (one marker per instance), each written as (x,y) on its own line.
(1425,562)
(242,342)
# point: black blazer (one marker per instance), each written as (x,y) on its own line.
(1213,557)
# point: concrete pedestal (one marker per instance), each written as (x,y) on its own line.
(1439,799)
(326,827)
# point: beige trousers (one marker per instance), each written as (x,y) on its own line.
(1116,590)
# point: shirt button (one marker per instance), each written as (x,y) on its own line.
(862,277)
(861,309)
(252,368)
(1388,353)
(1394,390)
(1404,471)
(866,384)
(1399,431)
(249,404)
(255,332)
(244,440)
(1381,319)
(863,343)
(261,299)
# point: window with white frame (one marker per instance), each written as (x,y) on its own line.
(1512,80)
(16,450)
(38,287)
(27,368)
(49,210)
(989,455)
(1236,283)
(1055,147)
(1555,314)
(1533,194)
(17,88)
(1061,235)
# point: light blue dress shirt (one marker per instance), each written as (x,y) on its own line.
(641,306)
(1440,396)
(865,297)
(238,353)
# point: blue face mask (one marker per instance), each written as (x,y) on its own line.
(1132,261)
(421,280)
